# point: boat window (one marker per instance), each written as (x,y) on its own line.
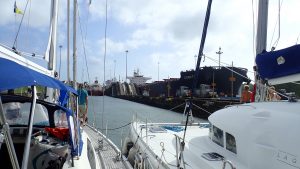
(60,118)
(17,113)
(217,136)
(230,143)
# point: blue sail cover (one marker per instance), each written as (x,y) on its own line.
(279,63)
(14,75)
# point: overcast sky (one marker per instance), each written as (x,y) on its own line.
(164,31)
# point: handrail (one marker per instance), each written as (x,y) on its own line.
(229,162)
(29,132)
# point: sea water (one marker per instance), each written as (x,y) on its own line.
(110,113)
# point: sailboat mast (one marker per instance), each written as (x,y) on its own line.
(74,44)
(68,42)
(262,24)
(261,43)
(52,51)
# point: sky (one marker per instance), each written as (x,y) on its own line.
(162,36)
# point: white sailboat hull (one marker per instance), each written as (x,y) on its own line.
(265,137)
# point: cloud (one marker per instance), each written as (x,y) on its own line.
(37,13)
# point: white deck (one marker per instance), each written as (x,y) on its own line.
(264,138)
(195,137)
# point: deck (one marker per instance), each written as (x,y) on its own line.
(107,152)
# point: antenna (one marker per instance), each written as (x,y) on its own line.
(219,53)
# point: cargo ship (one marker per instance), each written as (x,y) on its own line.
(217,87)
(213,82)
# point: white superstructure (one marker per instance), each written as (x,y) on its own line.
(137,78)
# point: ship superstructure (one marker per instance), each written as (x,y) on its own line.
(137,78)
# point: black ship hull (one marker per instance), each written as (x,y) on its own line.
(222,81)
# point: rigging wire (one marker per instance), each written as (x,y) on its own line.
(176,106)
(253,31)
(116,128)
(216,61)
(28,36)
(15,41)
(202,109)
(278,21)
(104,60)
(87,21)
(83,40)
(266,87)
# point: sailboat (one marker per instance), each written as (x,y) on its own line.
(256,135)
(37,133)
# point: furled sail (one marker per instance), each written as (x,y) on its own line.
(281,66)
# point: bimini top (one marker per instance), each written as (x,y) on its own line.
(14,75)
(281,63)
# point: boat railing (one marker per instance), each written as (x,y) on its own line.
(106,139)
(229,162)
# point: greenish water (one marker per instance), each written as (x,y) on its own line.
(118,112)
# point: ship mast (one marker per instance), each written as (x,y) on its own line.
(219,53)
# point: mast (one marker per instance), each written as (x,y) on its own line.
(219,53)
(68,42)
(261,44)
(74,44)
(52,50)
(262,24)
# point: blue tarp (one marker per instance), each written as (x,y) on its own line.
(279,63)
(14,75)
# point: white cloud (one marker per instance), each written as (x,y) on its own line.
(37,12)
(170,29)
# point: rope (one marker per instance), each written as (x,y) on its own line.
(202,109)
(176,107)
(116,127)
